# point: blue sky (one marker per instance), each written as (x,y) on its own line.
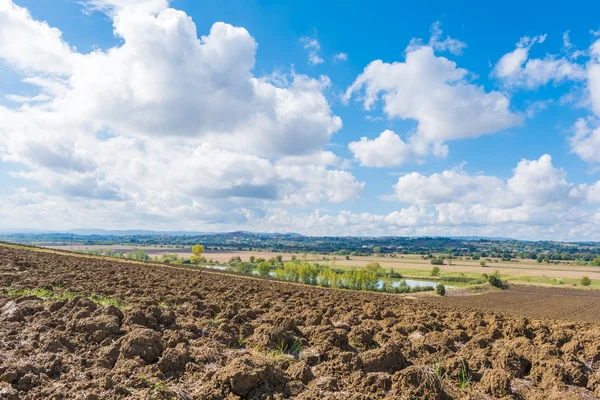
(278,116)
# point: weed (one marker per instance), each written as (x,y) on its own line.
(159,388)
(439,371)
(294,348)
(464,379)
(213,323)
(144,380)
(66,295)
(105,301)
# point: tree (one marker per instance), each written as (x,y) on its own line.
(242,267)
(373,267)
(263,269)
(252,259)
(482,263)
(585,281)
(279,258)
(440,289)
(436,261)
(377,250)
(435,271)
(197,251)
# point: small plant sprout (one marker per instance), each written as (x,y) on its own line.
(464,379)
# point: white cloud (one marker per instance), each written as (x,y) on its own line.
(536,193)
(437,94)
(454,46)
(586,141)
(115,7)
(451,186)
(340,57)
(312,46)
(593,77)
(181,128)
(387,150)
(516,69)
(534,182)
(30,45)
(25,99)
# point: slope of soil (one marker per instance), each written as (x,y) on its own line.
(535,302)
(85,328)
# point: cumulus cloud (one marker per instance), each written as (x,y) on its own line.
(436,93)
(387,150)
(180,125)
(516,69)
(593,77)
(585,141)
(536,193)
(30,45)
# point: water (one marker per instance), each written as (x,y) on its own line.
(409,282)
(219,267)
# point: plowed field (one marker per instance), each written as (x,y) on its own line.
(86,328)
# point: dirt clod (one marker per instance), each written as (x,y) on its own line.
(144,343)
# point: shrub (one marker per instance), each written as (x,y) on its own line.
(463,279)
(169,258)
(137,254)
(263,269)
(482,263)
(437,261)
(435,271)
(402,287)
(242,267)
(585,281)
(387,285)
(440,289)
(495,281)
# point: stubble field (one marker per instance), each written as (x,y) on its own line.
(82,327)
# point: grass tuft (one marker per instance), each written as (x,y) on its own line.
(65,295)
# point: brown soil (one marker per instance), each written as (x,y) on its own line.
(535,302)
(187,334)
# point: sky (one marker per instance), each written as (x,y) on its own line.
(378,118)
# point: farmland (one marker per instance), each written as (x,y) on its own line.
(410,265)
(86,327)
